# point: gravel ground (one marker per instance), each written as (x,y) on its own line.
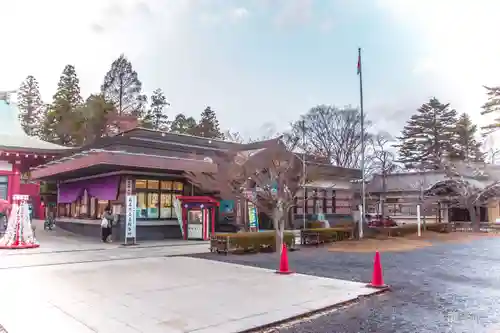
(440,289)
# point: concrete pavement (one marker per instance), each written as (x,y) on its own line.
(169,294)
(79,287)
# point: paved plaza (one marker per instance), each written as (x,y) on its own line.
(151,289)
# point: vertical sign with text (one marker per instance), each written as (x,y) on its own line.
(130,217)
(128,186)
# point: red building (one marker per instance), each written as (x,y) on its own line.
(18,153)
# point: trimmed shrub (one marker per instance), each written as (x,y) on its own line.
(314,224)
(253,241)
(329,235)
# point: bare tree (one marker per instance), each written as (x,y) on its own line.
(332,133)
(382,161)
(467,186)
(265,174)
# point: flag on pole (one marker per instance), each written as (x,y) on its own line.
(359,64)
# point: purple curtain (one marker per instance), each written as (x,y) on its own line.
(67,193)
(105,188)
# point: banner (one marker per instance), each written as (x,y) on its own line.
(253,219)
(130,217)
(178,212)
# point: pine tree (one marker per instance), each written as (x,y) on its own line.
(208,126)
(30,105)
(183,125)
(492,106)
(123,88)
(466,147)
(61,122)
(156,117)
(428,136)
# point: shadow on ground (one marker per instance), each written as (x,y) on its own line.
(448,287)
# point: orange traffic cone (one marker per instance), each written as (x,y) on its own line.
(377,278)
(284,269)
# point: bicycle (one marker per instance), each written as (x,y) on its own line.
(49,223)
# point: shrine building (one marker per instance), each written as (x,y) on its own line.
(18,154)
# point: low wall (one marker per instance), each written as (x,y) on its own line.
(92,228)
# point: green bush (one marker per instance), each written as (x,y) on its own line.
(408,229)
(328,235)
(254,241)
(314,224)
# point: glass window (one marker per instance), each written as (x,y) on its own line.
(4,184)
(166,205)
(153,184)
(141,183)
(178,186)
(153,205)
(166,185)
(141,205)
(154,198)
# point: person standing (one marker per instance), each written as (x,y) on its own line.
(106,225)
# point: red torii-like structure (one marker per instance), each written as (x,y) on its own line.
(204,203)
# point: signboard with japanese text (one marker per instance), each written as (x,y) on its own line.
(128,186)
(130,217)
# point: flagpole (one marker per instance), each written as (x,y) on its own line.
(363,194)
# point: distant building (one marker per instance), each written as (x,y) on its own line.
(151,165)
(401,193)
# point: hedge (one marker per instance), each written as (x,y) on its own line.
(328,235)
(408,229)
(251,241)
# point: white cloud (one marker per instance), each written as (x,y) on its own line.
(294,12)
(460,52)
(239,13)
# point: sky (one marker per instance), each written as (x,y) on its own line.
(260,64)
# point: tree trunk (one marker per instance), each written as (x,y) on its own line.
(475,219)
(279,226)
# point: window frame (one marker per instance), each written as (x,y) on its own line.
(159,191)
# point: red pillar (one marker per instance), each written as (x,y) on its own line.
(15,180)
(184,221)
(213,220)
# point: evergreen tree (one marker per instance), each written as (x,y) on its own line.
(183,124)
(208,126)
(62,121)
(156,117)
(93,119)
(466,147)
(123,88)
(30,105)
(492,106)
(428,136)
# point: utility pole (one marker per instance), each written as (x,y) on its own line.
(304,204)
(363,194)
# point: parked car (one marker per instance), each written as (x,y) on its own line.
(379,221)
